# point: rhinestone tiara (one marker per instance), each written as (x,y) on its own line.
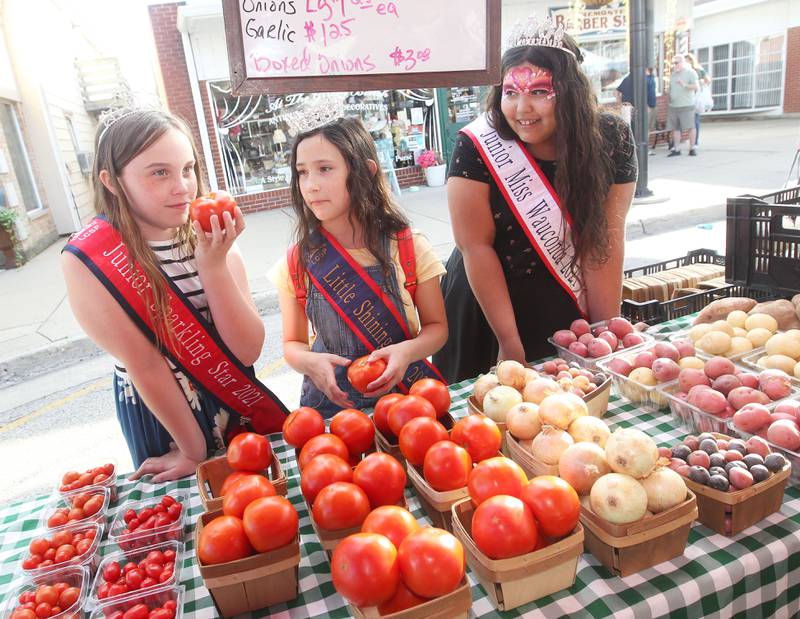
(108,118)
(317,110)
(539,32)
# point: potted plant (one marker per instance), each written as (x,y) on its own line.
(434,167)
(10,256)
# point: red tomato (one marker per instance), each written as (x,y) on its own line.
(435,391)
(554,504)
(214,203)
(58,519)
(222,540)
(355,429)
(322,471)
(93,505)
(498,475)
(60,538)
(39,546)
(70,477)
(392,521)
(417,436)
(68,597)
(362,372)
(118,588)
(406,409)
(161,613)
(446,466)
(340,506)
(270,523)
(46,593)
(134,578)
(44,610)
(112,571)
(431,562)
(379,414)
(138,611)
(479,435)
(155,556)
(249,452)
(364,569)
(322,444)
(82,546)
(402,600)
(382,478)
(23,613)
(503,527)
(65,553)
(76,513)
(245,491)
(301,425)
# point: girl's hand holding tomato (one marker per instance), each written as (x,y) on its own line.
(364,371)
(397,362)
(215,203)
(319,367)
(212,247)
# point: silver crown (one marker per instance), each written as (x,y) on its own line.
(110,117)
(317,110)
(540,32)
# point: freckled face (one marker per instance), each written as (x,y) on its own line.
(322,173)
(528,103)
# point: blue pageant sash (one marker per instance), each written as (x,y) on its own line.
(361,303)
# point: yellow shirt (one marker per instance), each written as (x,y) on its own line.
(428,266)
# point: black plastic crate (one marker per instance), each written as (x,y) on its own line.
(763,241)
(696,256)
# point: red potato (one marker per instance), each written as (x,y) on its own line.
(733,455)
(740,478)
(599,348)
(726,383)
(579,327)
(666,350)
(684,347)
(745,395)
(632,339)
(699,458)
(784,434)
(689,377)
(717,366)
(757,445)
(620,366)
(778,416)
(620,327)
(791,407)
(776,384)
(585,338)
(644,359)
(748,379)
(579,348)
(707,400)
(665,369)
(752,417)
(564,337)
(608,336)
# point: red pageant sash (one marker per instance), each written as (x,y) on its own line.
(196,348)
(534,203)
(362,304)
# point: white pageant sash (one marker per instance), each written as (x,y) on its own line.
(533,202)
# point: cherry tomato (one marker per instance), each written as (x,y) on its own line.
(340,505)
(435,391)
(554,504)
(417,436)
(174,511)
(102,590)
(322,471)
(431,562)
(446,466)
(82,546)
(69,477)
(301,425)
(498,475)
(243,492)
(479,435)
(222,540)
(392,521)
(379,414)
(39,546)
(355,429)
(60,538)
(131,565)
(118,588)
(65,553)
(155,556)
(44,610)
(249,452)
(322,444)
(68,597)
(150,581)
(270,522)
(365,570)
(93,505)
(382,478)
(168,500)
(58,519)
(139,611)
(362,372)
(214,203)
(134,578)
(48,594)
(23,613)
(129,515)
(161,613)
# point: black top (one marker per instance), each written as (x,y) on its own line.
(466,162)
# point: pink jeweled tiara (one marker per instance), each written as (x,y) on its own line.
(541,32)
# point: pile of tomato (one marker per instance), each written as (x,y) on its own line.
(147,526)
(255,518)
(156,568)
(62,547)
(352,434)
(426,398)
(395,564)
(73,480)
(46,601)
(81,506)
(140,610)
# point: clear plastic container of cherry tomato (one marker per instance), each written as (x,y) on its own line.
(65,589)
(107,468)
(77,507)
(78,546)
(122,575)
(143,605)
(143,535)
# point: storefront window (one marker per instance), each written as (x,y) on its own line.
(255,137)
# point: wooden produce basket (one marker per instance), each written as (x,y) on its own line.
(629,548)
(523,457)
(437,505)
(454,605)
(211,475)
(744,507)
(253,582)
(518,580)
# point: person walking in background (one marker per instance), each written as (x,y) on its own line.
(683,87)
(700,103)
(652,114)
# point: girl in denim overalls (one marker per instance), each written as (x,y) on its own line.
(338,186)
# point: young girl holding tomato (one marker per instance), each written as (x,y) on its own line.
(160,294)
(345,276)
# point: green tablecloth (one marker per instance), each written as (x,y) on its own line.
(754,574)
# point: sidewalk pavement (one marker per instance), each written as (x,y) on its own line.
(735,157)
